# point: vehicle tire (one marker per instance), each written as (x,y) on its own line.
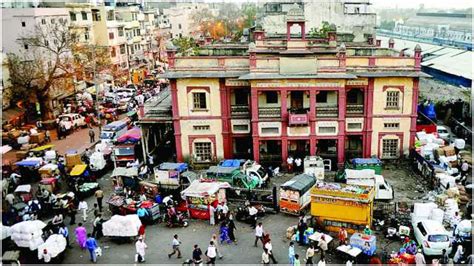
(185,224)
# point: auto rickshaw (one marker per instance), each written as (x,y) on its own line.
(50,184)
(80,173)
(41,150)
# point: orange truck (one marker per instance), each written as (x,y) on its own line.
(295,194)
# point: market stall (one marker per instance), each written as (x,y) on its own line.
(29,169)
(125,177)
(200,195)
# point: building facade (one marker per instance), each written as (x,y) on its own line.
(293,95)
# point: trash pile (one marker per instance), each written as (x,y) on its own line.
(28,234)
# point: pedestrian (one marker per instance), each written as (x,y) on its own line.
(99,195)
(142,214)
(225,210)
(268,246)
(95,226)
(65,232)
(224,232)
(216,244)
(342,236)
(91,135)
(10,198)
(289,162)
(197,255)
(367,230)
(91,244)
(211,253)
(212,210)
(83,208)
(232,228)
(45,255)
(258,233)
(96,210)
(323,245)
(322,262)
(141,231)
(140,246)
(310,254)
(47,135)
(265,257)
(302,226)
(464,170)
(459,254)
(81,234)
(72,211)
(253,215)
(175,244)
(297,260)
(298,164)
(150,161)
(420,258)
(291,253)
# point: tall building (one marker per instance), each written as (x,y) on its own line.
(292,95)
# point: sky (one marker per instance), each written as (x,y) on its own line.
(458,4)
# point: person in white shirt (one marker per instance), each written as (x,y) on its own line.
(10,198)
(298,164)
(211,253)
(265,257)
(225,209)
(253,215)
(45,256)
(289,162)
(140,246)
(175,245)
(258,233)
(84,208)
(168,200)
(268,246)
(420,258)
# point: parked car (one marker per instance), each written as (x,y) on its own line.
(432,237)
(126,93)
(443,133)
(72,121)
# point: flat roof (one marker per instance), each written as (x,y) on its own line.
(295,76)
(200,74)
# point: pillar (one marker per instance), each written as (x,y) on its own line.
(176,122)
(255,136)
(368,120)
(414,114)
(225,118)
(284,125)
(303,31)
(341,126)
(284,150)
(312,122)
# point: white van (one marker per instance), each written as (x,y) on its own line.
(111,132)
(432,237)
(367,177)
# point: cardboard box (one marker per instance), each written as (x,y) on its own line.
(20,155)
(37,138)
(449,151)
(73,159)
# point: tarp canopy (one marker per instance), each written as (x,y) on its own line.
(221,170)
(30,162)
(203,189)
(230,163)
(42,148)
(23,188)
(49,167)
(302,182)
(124,171)
(132,135)
(366,161)
(180,167)
(78,169)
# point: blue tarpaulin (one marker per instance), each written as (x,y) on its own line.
(180,167)
(29,163)
(230,163)
(366,161)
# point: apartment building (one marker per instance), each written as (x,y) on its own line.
(293,95)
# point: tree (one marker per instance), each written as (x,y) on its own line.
(186,46)
(48,64)
(323,31)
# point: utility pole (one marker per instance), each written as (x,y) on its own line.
(96,88)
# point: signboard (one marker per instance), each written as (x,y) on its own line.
(237,83)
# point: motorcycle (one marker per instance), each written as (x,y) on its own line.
(178,220)
(396,231)
(242,214)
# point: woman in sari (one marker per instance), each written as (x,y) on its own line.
(224,233)
(81,236)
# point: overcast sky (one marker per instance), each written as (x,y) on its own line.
(428,3)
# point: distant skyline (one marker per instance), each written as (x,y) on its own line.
(453,4)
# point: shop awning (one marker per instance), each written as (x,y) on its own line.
(12,113)
(200,189)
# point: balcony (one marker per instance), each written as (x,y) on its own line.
(269,112)
(298,118)
(239,111)
(327,111)
(355,109)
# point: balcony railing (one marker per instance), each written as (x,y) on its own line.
(355,109)
(298,119)
(327,111)
(265,157)
(269,112)
(239,111)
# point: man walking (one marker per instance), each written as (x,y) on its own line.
(140,246)
(197,255)
(91,245)
(310,254)
(291,253)
(99,195)
(302,226)
(211,253)
(175,244)
(323,245)
(258,233)
(92,135)
(420,258)
(342,236)
(269,248)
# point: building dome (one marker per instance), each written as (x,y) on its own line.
(295,13)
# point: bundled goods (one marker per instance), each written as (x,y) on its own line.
(290,232)
(463,196)
(73,159)
(453,192)
(28,234)
(459,144)
(55,244)
(122,226)
(357,174)
(20,155)
(423,210)
(439,142)
(440,199)
(13,134)
(88,186)
(50,155)
(451,207)
(37,138)
(116,200)
(437,215)
(449,151)
(23,140)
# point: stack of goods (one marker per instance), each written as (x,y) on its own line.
(73,159)
(447,156)
(367,243)
(437,215)
(55,244)
(463,196)
(429,143)
(50,155)
(116,200)
(423,210)
(450,209)
(28,234)
(86,187)
(38,138)
(122,226)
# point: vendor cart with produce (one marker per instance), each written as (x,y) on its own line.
(295,194)
(50,184)
(122,227)
(29,169)
(200,195)
(123,177)
(24,192)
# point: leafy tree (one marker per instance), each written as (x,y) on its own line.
(186,45)
(323,31)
